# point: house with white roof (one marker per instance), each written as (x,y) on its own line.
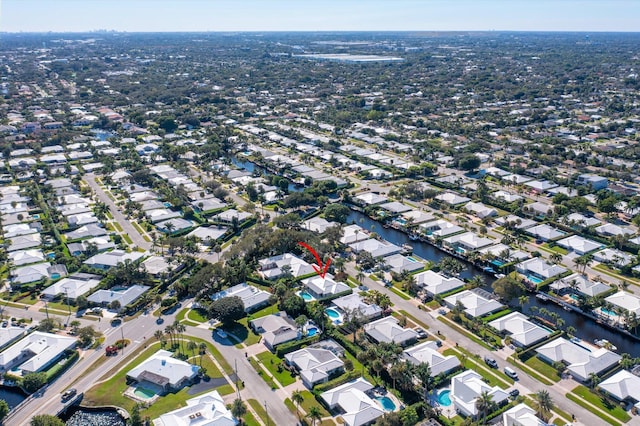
(172,226)
(318,224)
(395,208)
(252,297)
(111,259)
(544,232)
(611,230)
(377,248)
(34,352)
(434,283)
(581,221)
(388,330)
(81,219)
(467,387)
(351,400)
(273,267)
(164,371)
(87,231)
(275,329)
(72,286)
(467,242)
(10,334)
(205,410)
(506,196)
(158,265)
(521,415)
(97,243)
(208,233)
(124,296)
(354,302)
(399,263)
(160,215)
(522,331)
(538,208)
(26,257)
(594,181)
(623,386)
(315,364)
(451,198)
(370,199)
(24,242)
(427,352)
(325,288)
(439,228)
(476,302)
(480,210)
(228,216)
(16,229)
(515,222)
(37,271)
(352,234)
(540,186)
(538,269)
(613,256)
(517,179)
(580,361)
(498,251)
(579,245)
(627,301)
(580,284)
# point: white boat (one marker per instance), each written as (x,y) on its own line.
(604,343)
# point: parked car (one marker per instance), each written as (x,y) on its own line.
(68,394)
(116,322)
(421,333)
(491,362)
(513,393)
(160,320)
(511,373)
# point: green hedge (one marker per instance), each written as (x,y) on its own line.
(294,345)
(347,377)
(58,369)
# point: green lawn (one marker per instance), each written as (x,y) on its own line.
(310,401)
(263,312)
(493,377)
(268,380)
(259,409)
(603,403)
(243,333)
(529,371)
(249,420)
(543,368)
(271,363)
(400,293)
(414,319)
(117,226)
(463,331)
(127,238)
(196,315)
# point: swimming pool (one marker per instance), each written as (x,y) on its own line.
(55,276)
(334,315)
(144,393)
(444,398)
(386,403)
(306,296)
(534,280)
(312,331)
(498,263)
(608,312)
(412,259)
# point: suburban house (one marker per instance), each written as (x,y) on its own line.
(124,296)
(398,263)
(476,302)
(252,297)
(163,371)
(521,415)
(354,302)
(427,352)
(480,210)
(579,245)
(466,242)
(352,234)
(594,181)
(580,361)
(10,334)
(315,364)
(439,228)
(538,270)
(72,286)
(467,386)
(627,301)
(623,386)
(544,232)
(34,352)
(369,199)
(522,331)
(274,267)
(377,248)
(352,402)
(580,284)
(111,259)
(325,288)
(208,409)
(317,224)
(452,199)
(433,283)
(613,256)
(388,330)
(394,208)
(275,329)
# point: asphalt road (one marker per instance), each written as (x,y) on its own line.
(127,227)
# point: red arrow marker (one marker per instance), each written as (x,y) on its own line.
(319,269)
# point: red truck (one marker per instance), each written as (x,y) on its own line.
(111,350)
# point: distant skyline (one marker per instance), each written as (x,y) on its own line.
(319,15)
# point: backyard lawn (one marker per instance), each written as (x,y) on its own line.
(272,363)
(604,404)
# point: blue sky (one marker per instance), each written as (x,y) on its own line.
(319,15)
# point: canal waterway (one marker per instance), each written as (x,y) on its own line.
(13,396)
(587,329)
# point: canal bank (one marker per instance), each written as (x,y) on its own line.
(587,328)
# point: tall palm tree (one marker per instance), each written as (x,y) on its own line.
(202,349)
(159,336)
(555,257)
(484,403)
(314,414)
(543,404)
(238,409)
(297,398)
(191,346)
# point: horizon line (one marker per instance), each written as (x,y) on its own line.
(103,31)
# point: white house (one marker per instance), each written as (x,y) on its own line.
(624,386)
(434,283)
(35,352)
(580,284)
(480,210)
(427,352)
(579,245)
(271,268)
(439,228)
(324,288)
(315,364)
(476,302)
(522,331)
(164,371)
(124,296)
(112,258)
(452,199)
(627,301)
(399,263)
(352,234)
(521,415)
(613,256)
(467,386)
(537,269)
(544,232)
(580,361)
(206,410)
(73,286)
(252,297)
(275,329)
(370,199)
(467,242)
(355,302)
(377,248)
(387,330)
(351,398)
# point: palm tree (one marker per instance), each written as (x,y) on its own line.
(543,404)
(169,330)
(297,398)
(594,380)
(238,409)
(555,257)
(484,403)
(423,373)
(360,276)
(191,346)
(523,300)
(476,281)
(202,349)
(159,336)
(314,414)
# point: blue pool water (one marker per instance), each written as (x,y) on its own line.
(35,216)
(608,312)
(574,297)
(401,221)
(332,313)
(167,204)
(460,250)
(498,263)
(306,296)
(413,259)
(534,280)
(55,276)
(144,393)
(386,403)
(444,399)
(312,331)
